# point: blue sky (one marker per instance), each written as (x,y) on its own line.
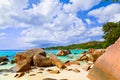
(28,24)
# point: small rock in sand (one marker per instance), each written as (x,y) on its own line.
(39,72)
(16,75)
(30,70)
(41,69)
(32,74)
(87,67)
(5,74)
(35,67)
(19,75)
(49,70)
(63,79)
(76,70)
(27,71)
(49,79)
(68,69)
(55,71)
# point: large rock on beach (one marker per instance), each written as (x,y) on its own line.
(28,55)
(3,58)
(107,66)
(94,54)
(55,61)
(24,60)
(41,61)
(23,65)
(63,52)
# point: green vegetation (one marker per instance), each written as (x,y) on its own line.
(111,34)
(93,44)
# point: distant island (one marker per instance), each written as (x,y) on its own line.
(93,44)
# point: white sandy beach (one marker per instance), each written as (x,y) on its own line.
(64,74)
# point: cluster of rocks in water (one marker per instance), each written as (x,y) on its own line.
(4,60)
(25,61)
(63,52)
(37,57)
(91,55)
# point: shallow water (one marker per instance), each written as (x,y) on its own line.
(11,53)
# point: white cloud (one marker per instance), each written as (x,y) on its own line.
(88,21)
(9,43)
(56,26)
(3,35)
(77,5)
(108,13)
(46,8)
(55,33)
(115,18)
(97,31)
(8,10)
(48,23)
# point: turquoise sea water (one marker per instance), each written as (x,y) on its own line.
(11,53)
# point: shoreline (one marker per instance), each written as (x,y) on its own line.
(38,74)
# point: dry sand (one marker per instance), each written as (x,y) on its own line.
(64,74)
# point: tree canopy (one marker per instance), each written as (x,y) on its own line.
(111,32)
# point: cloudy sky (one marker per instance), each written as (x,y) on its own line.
(42,23)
